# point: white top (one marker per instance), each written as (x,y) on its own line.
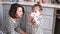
(38,29)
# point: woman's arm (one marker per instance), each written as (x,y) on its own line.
(22,32)
(11,29)
(19,30)
(30,19)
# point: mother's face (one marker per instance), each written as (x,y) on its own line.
(19,12)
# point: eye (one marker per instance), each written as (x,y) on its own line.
(20,11)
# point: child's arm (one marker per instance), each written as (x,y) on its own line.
(30,19)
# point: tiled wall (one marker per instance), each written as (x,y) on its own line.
(1,14)
(47,14)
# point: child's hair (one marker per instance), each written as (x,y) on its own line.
(38,4)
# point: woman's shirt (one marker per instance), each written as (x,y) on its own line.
(11,27)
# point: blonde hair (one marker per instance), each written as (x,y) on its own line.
(38,4)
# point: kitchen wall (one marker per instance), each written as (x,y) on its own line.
(47,14)
(1,14)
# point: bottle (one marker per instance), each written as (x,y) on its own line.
(21,0)
(43,1)
(11,0)
(17,0)
(37,0)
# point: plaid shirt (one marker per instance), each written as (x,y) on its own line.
(38,29)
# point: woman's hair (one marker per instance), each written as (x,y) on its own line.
(37,5)
(13,9)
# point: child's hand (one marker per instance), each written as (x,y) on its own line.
(33,22)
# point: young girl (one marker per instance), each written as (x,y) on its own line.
(36,19)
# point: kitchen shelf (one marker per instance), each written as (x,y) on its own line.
(32,3)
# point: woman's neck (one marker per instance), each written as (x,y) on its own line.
(15,20)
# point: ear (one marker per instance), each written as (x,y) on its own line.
(41,12)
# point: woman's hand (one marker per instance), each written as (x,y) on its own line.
(30,19)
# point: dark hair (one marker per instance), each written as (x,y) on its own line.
(37,5)
(13,9)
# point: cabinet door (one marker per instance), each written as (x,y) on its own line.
(57,22)
(48,18)
(1,14)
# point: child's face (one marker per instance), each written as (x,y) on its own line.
(37,9)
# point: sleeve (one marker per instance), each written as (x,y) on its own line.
(11,28)
(17,29)
(29,27)
(41,22)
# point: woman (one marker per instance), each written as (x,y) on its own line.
(16,11)
(36,19)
